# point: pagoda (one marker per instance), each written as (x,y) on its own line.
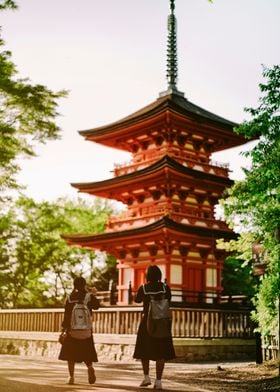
(170,188)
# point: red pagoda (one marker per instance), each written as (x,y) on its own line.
(170,188)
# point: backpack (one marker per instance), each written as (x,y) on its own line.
(159,315)
(81,320)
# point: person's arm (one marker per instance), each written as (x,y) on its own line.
(168,292)
(94,301)
(139,297)
(67,315)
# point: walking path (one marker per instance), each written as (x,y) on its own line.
(25,374)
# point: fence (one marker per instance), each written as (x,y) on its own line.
(270,348)
(186,322)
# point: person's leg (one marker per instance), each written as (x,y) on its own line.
(146,368)
(91,373)
(71,370)
(159,370)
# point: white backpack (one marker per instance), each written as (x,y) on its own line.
(81,320)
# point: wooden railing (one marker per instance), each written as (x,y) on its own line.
(151,214)
(183,157)
(186,322)
(270,347)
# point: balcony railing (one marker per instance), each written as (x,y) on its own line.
(184,158)
(149,214)
(187,322)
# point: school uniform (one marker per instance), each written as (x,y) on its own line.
(148,347)
(78,350)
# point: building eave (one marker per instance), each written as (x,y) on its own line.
(172,102)
(136,176)
(165,224)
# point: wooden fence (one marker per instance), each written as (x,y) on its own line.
(186,322)
(270,348)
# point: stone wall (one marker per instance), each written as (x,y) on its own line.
(121,347)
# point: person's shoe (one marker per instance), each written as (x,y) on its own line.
(146,381)
(158,385)
(70,380)
(91,375)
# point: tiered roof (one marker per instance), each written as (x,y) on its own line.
(156,112)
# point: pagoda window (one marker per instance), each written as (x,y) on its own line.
(176,274)
(211,277)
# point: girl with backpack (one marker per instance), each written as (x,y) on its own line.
(77,342)
(159,349)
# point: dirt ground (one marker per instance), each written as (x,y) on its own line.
(250,378)
(25,374)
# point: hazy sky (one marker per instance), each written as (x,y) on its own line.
(111,56)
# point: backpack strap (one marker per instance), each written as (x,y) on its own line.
(85,301)
(87,298)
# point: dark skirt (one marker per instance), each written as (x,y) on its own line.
(78,350)
(148,347)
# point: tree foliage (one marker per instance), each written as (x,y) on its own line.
(27,115)
(5,4)
(254,204)
(37,267)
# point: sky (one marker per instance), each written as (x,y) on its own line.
(111,57)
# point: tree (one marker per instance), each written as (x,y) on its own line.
(255,202)
(4,4)
(37,266)
(27,115)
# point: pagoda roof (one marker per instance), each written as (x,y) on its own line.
(152,171)
(153,231)
(174,103)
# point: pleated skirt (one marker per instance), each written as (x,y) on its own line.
(151,348)
(78,350)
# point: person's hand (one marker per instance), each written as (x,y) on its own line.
(93,290)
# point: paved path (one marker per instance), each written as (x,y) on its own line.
(22,374)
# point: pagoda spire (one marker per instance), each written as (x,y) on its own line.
(172,69)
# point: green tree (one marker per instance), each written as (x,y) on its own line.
(254,204)
(237,278)
(37,265)
(4,4)
(27,115)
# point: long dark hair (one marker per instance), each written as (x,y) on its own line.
(153,273)
(79,291)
